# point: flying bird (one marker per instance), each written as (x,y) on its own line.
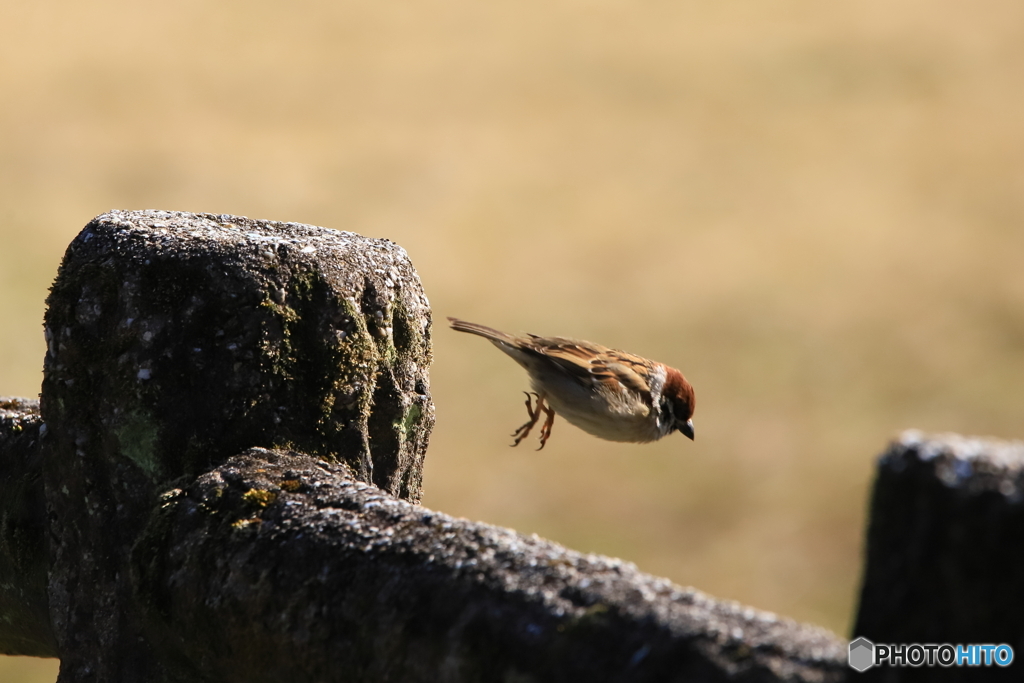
(611,394)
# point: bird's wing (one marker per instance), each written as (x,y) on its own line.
(624,369)
(595,365)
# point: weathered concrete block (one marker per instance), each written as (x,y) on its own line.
(175,340)
(24,616)
(276,566)
(180,338)
(945,551)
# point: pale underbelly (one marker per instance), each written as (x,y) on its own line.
(605,422)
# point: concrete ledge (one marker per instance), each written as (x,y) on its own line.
(276,566)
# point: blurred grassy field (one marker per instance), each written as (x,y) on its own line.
(815,210)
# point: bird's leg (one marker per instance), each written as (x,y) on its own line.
(545,430)
(524,431)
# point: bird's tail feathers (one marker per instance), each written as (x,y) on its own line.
(480,330)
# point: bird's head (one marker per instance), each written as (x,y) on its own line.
(678,401)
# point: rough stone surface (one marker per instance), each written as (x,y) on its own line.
(945,549)
(182,338)
(24,617)
(276,566)
(176,340)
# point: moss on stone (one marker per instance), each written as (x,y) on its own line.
(410,420)
(137,439)
(259,497)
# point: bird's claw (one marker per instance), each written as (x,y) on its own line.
(535,412)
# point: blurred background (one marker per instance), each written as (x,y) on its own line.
(815,210)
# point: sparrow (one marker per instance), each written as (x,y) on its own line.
(611,394)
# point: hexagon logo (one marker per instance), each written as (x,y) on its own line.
(862,654)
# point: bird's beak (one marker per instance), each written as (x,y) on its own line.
(687,429)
